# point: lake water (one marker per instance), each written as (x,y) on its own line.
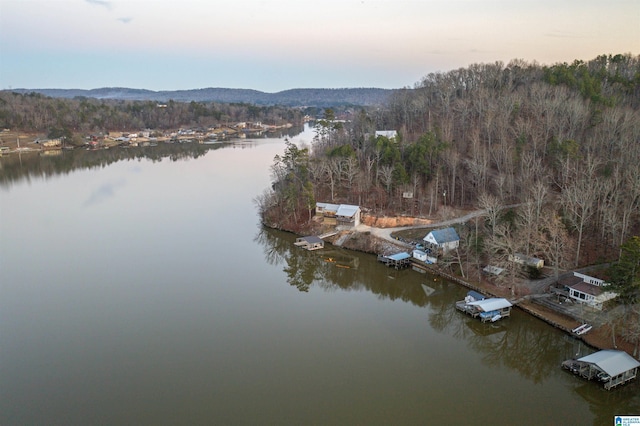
(137,287)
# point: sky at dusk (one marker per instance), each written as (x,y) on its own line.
(274,45)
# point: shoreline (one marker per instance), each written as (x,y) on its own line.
(371,242)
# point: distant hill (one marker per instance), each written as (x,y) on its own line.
(293,97)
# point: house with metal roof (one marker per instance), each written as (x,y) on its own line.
(612,368)
(444,240)
(339,214)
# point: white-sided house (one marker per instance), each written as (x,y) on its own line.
(588,290)
(525,260)
(444,240)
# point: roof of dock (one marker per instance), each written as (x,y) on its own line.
(612,362)
(399,256)
(312,239)
(492,304)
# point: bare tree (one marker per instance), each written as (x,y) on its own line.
(578,199)
(554,242)
(492,206)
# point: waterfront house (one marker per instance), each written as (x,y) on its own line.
(612,368)
(442,240)
(311,242)
(588,290)
(339,214)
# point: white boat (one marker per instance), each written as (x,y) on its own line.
(582,329)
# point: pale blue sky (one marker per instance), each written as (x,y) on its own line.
(274,45)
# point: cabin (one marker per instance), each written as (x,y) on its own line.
(587,290)
(525,260)
(612,368)
(491,309)
(310,243)
(397,260)
(443,240)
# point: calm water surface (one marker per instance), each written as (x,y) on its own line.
(142,290)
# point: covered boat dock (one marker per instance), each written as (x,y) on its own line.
(612,368)
(491,309)
(311,242)
(398,260)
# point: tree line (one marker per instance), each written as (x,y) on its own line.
(56,116)
(551,153)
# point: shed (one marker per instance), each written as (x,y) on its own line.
(311,242)
(443,239)
(525,260)
(611,367)
(424,257)
(493,270)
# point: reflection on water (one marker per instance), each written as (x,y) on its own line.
(17,167)
(136,290)
(521,343)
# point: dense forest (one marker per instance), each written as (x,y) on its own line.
(34,112)
(559,142)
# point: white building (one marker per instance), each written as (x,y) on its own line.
(446,239)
